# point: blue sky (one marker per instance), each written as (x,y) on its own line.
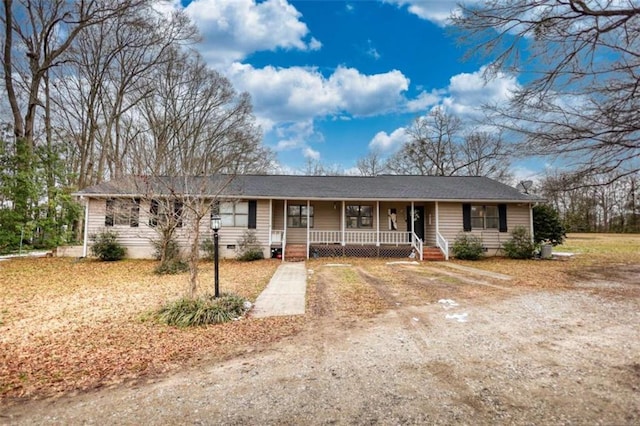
(331,80)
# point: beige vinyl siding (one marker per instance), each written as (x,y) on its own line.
(451,225)
(326,217)
(430,229)
(138,240)
(229,236)
(278,215)
(401,218)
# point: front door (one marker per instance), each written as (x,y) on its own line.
(418,220)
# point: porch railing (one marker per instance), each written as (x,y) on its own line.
(362,237)
(443,245)
(417,244)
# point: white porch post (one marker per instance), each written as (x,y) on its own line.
(308,233)
(437,220)
(342,223)
(378,223)
(270,223)
(86,227)
(412,220)
(284,233)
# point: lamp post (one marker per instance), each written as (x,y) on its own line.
(216,223)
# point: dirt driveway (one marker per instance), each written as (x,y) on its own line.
(398,344)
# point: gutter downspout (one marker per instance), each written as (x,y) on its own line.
(531,221)
(86,227)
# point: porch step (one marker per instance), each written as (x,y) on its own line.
(432,254)
(295,252)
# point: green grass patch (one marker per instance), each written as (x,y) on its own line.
(348,276)
(601,244)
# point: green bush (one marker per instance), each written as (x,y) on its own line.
(204,310)
(520,245)
(173,262)
(249,248)
(106,246)
(251,255)
(547,226)
(467,247)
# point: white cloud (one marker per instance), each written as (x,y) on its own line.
(389,142)
(311,153)
(464,97)
(365,95)
(437,12)
(297,93)
(233,29)
(372,51)
(467,92)
(424,100)
(294,135)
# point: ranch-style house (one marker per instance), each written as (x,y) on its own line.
(296,217)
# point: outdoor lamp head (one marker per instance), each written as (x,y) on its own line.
(216,223)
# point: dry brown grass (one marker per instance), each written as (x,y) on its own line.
(591,251)
(67,325)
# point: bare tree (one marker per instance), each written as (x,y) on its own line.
(314,167)
(199,133)
(44,29)
(104,80)
(582,102)
(371,164)
(600,204)
(432,147)
(484,154)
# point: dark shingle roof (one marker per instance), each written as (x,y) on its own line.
(384,187)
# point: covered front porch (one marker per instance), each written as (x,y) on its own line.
(362,228)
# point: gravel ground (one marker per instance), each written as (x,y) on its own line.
(452,349)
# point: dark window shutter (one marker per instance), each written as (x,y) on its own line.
(135,213)
(502,217)
(108,217)
(253,213)
(153,213)
(466,217)
(177,213)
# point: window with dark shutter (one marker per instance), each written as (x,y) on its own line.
(110,207)
(177,213)
(466,217)
(253,213)
(134,218)
(153,213)
(502,215)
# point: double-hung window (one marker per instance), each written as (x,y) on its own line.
(359,216)
(297,216)
(165,213)
(233,213)
(122,212)
(484,217)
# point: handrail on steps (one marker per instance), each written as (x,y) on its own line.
(443,245)
(416,242)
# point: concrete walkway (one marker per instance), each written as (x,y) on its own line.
(285,293)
